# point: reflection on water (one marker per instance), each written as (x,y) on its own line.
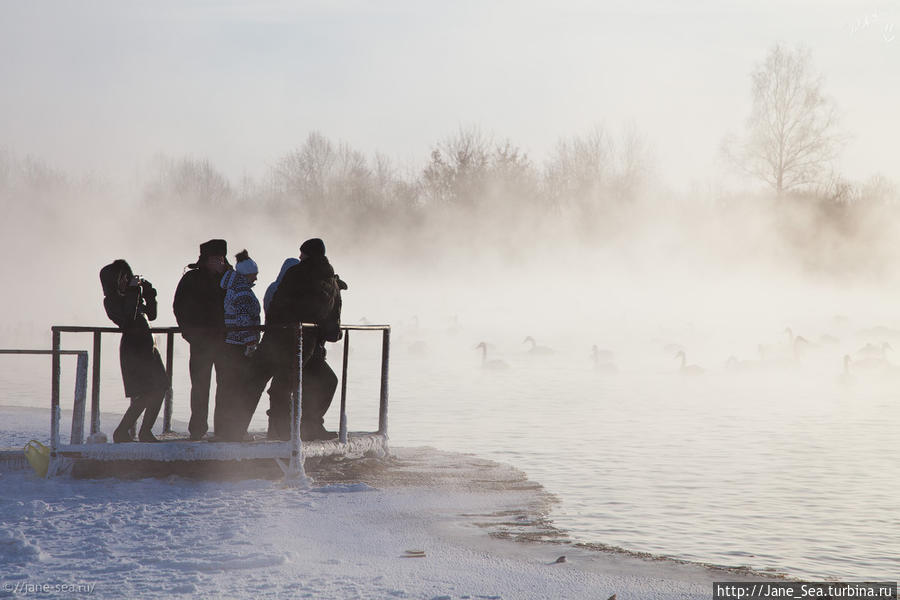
(794,470)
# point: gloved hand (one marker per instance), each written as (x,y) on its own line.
(147,289)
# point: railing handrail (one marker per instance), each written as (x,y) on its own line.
(170,334)
(45,352)
(106,329)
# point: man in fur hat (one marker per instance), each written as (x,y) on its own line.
(199,311)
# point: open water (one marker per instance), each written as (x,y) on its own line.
(789,467)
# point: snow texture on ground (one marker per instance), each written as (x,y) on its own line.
(420,524)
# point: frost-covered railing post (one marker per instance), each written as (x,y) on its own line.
(297,401)
(342,428)
(54,396)
(294,475)
(77,435)
(95,387)
(167,410)
(383,401)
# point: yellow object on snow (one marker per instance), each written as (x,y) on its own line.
(38,456)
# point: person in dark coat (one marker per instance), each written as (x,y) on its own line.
(309,292)
(130,302)
(270,291)
(200,313)
(267,302)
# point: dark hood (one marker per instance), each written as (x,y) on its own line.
(109,276)
(287,264)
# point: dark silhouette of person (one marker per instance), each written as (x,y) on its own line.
(236,403)
(309,292)
(200,313)
(130,302)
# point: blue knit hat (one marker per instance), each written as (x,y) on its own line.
(244,264)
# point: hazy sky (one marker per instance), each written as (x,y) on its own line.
(104,85)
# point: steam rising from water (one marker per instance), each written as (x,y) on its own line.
(639,269)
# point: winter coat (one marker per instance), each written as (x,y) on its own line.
(142,367)
(199,306)
(310,292)
(270,291)
(241,308)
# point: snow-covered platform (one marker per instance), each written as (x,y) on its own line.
(12,460)
(216,460)
(252,458)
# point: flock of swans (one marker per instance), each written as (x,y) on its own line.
(872,354)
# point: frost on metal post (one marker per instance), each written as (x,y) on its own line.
(294,474)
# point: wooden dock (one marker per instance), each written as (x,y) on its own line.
(180,456)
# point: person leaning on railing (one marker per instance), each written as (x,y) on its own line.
(310,292)
(130,301)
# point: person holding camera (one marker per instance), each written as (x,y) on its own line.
(130,302)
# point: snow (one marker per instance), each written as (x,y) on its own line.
(172,451)
(356,533)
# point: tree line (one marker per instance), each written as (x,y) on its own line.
(471,181)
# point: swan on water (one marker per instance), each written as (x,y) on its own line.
(780,352)
(603,360)
(846,377)
(494,364)
(535,349)
(602,355)
(687,369)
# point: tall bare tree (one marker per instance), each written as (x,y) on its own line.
(792,132)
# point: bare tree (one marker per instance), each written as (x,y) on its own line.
(792,133)
(580,168)
(458,168)
(304,172)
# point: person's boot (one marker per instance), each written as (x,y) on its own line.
(313,431)
(126,425)
(272,432)
(150,414)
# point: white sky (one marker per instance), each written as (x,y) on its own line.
(104,85)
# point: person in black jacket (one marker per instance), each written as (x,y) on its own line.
(308,293)
(130,301)
(200,313)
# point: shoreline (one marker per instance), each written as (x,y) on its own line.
(467,513)
(529,525)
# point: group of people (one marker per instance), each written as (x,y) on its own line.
(219,316)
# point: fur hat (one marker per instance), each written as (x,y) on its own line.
(244,264)
(213,248)
(313,247)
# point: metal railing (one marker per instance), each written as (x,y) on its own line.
(58,330)
(77,434)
